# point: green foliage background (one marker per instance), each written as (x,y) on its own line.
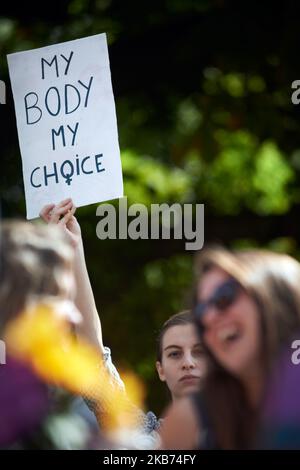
(203,97)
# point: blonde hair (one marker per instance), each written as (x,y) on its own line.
(34,263)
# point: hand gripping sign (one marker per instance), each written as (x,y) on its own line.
(67,123)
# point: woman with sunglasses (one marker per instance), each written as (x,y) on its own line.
(247,311)
(180,363)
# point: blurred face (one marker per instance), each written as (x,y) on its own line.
(183,361)
(232,333)
(65,305)
(70,285)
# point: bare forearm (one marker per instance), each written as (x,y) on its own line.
(90,327)
(62,215)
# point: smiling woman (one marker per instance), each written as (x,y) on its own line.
(247,311)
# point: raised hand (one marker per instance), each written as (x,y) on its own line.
(62,214)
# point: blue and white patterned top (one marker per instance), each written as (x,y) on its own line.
(147,434)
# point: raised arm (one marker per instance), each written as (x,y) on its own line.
(63,215)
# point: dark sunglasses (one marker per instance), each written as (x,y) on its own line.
(224,296)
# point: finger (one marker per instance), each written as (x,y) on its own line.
(46,212)
(58,211)
(64,202)
(72,211)
(62,210)
(70,223)
(67,217)
(73,219)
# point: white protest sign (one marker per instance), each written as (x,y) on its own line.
(66,123)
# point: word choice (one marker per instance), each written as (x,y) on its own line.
(88,165)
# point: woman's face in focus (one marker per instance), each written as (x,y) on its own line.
(183,361)
(233,335)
